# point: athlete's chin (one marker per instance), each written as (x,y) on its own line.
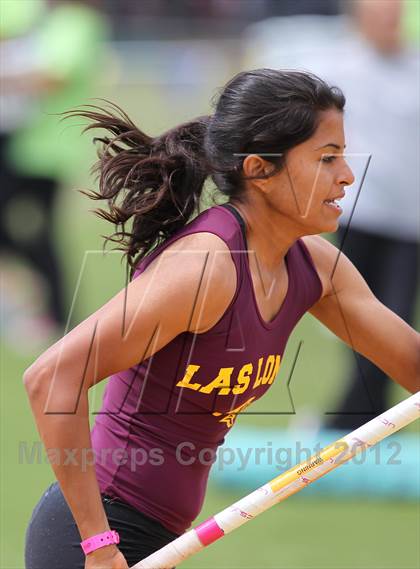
(331,224)
(323,222)
(326,227)
(332,228)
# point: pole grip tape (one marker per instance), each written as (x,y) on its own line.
(209,531)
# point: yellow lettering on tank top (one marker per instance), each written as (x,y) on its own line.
(275,370)
(221,382)
(185,381)
(266,373)
(243,379)
(271,368)
(268,370)
(257,378)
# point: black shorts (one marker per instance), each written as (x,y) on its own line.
(53,540)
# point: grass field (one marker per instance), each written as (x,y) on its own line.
(301,533)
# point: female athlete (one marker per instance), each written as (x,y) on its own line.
(198,334)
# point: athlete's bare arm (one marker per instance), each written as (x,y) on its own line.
(186,288)
(350,310)
(162,302)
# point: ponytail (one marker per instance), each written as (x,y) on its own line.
(158,181)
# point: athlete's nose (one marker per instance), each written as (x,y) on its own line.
(346,177)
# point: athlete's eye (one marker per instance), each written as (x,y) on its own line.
(329,158)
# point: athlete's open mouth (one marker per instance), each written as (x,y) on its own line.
(332,202)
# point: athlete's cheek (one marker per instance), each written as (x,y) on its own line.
(313,192)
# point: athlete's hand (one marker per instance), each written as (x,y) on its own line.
(109,557)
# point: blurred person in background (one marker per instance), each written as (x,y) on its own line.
(381,81)
(50,53)
(365,52)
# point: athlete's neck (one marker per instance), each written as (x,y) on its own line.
(269,235)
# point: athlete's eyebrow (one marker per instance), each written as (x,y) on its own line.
(333,144)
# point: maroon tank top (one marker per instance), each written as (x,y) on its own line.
(162,420)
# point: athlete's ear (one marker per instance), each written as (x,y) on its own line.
(256,167)
(253,165)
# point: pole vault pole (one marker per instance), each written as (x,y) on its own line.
(284,485)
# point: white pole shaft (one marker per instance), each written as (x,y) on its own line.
(284,485)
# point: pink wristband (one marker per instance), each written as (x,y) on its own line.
(100,540)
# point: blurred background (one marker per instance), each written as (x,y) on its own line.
(163,61)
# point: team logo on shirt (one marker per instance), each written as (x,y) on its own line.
(230,418)
(231,382)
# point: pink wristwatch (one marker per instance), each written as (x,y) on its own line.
(100,540)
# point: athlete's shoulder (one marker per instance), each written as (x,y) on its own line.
(206,233)
(214,230)
(200,262)
(325,256)
(203,243)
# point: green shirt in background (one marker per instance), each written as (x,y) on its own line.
(70,47)
(411,20)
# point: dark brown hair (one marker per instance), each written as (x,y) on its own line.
(158,181)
